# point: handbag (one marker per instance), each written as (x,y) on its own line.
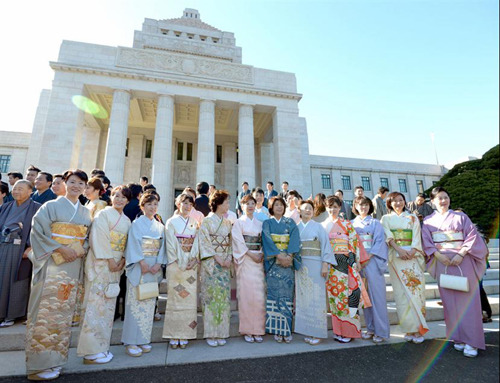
(454,282)
(112,290)
(147,290)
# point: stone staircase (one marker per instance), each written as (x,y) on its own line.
(12,338)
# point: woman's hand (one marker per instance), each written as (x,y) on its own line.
(144,267)
(219,260)
(154,269)
(442,258)
(67,253)
(121,264)
(256,257)
(191,263)
(325,268)
(113,266)
(284,260)
(403,254)
(227,262)
(26,252)
(456,260)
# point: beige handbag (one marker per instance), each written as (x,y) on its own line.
(147,290)
(454,282)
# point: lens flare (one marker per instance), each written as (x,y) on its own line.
(89,106)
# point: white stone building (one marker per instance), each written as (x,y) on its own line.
(179,107)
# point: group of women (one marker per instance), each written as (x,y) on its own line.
(282,268)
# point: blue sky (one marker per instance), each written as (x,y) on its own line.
(377,77)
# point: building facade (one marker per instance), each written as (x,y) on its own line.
(178,107)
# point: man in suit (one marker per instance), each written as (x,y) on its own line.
(270,192)
(201,202)
(345,209)
(284,190)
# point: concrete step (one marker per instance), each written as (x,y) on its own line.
(12,338)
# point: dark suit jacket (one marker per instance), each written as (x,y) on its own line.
(268,195)
(201,204)
(132,209)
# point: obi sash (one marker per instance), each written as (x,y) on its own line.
(151,246)
(67,234)
(185,241)
(281,241)
(339,242)
(450,239)
(118,241)
(220,242)
(366,240)
(253,242)
(311,248)
(403,237)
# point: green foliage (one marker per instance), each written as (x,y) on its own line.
(474,187)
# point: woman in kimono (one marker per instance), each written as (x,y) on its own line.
(93,191)
(59,241)
(372,236)
(181,233)
(144,255)
(454,246)
(15,267)
(344,286)
(103,267)
(281,245)
(292,210)
(216,259)
(310,292)
(250,279)
(406,267)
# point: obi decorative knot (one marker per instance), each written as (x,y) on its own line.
(185,241)
(220,242)
(450,239)
(151,246)
(253,242)
(311,248)
(118,241)
(281,241)
(403,237)
(366,240)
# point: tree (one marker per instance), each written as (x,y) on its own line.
(474,187)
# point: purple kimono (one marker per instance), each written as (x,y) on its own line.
(448,233)
(371,234)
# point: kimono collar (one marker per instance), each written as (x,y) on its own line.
(279,221)
(304,225)
(75,205)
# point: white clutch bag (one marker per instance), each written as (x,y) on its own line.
(147,290)
(454,282)
(112,290)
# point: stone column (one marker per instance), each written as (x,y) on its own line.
(267,164)
(35,148)
(205,164)
(162,154)
(114,161)
(229,159)
(246,146)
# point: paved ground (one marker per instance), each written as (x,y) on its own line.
(433,361)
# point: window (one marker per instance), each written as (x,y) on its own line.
(384,182)
(346,182)
(149,148)
(4,163)
(189,150)
(402,186)
(365,182)
(219,154)
(126,147)
(325,181)
(420,186)
(180,150)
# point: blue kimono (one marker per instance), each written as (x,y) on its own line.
(280,237)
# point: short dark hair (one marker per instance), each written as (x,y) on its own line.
(391,197)
(438,189)
(285,182)
(15,175)
(244,183)
(97,173)
(149,197)
(144,178)
(148,187)
(213,186)
(189,189)
(126,192)
(247,199)
(182,197)
(362,201)
(359,187)
(306,202)
(4,188)
(33,168)
(270,183)
(58,176)
(152,191)
(75,172)
(333,199)
(382,190)
(258,191)
(295,193)
(339,191)
(202,187)
(48,176)
(97,184)
(217,198)
(272,202)
(422,195)
(106,180)
(135,190)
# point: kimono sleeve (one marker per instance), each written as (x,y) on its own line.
(133,251)
(238,242)
(416,242)
(294,244)
(268,245)
(205,243)
(326,249)
(427,242)
(100,237)
(171,243)
(474,244)
(161,258)
(41,241)
(386,224)
(379,246)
